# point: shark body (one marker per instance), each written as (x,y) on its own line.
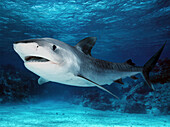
(56,61)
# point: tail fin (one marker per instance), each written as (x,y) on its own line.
(149,65)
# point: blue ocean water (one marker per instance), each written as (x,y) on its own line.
(134,29)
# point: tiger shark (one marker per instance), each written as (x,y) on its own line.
(56,61)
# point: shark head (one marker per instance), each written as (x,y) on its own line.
(46,56)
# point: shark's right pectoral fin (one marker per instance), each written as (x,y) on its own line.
(99,86)
(42,81)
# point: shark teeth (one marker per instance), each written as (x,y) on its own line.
(35,59)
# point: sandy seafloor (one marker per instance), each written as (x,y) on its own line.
(62,114)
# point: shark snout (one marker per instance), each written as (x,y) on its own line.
(28,41)
(17,42)
(24,41)
(25,48)
(32,51)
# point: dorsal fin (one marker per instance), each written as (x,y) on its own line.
(130,62)
(86,45)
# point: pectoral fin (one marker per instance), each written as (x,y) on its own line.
(99,86)
(42,81)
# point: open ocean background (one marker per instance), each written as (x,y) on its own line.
(125,29)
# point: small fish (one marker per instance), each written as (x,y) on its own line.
(56,61)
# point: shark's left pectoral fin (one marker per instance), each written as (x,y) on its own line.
(42,81)
(99,86)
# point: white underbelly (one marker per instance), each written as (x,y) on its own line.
(56,74)
(62,75)
(70,79)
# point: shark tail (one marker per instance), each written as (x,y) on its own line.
(150,64)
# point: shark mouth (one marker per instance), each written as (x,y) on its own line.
(35,59)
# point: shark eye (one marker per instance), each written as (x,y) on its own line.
(54,47)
